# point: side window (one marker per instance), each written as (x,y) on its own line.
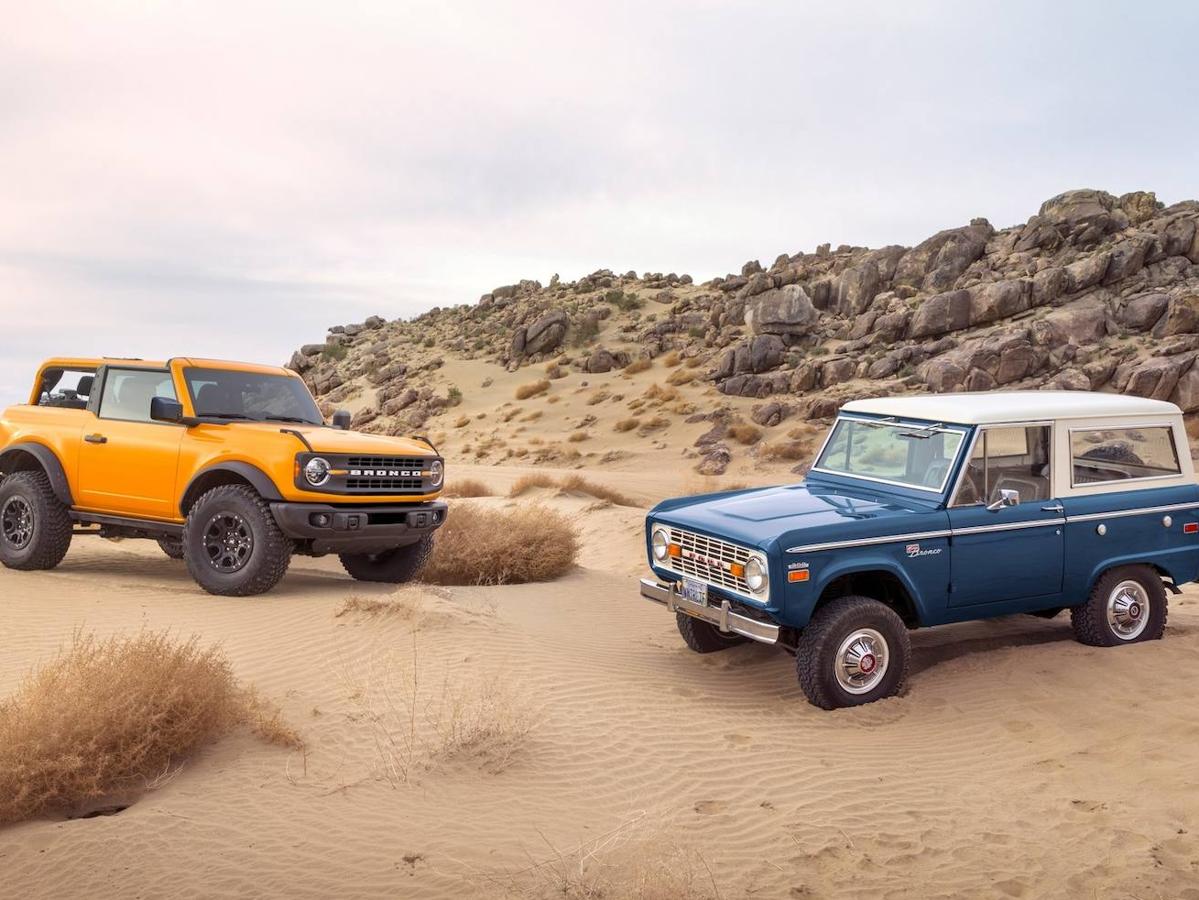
(66,388)
(1119,454)
(1007,459)
(128,392)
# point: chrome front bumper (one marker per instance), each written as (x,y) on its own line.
(721,616)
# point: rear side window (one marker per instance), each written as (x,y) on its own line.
(128,392)
(66,388)
(1123,454)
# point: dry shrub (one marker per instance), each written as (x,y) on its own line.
(532,389)
(627,424)
(791,451)
(533,416)
(492,546)
(694,362)
(462,422)
(681,376)
(531,482)
(110,717)
(553,399)
(579,436)
(576,483)
(420,718)
(671,359)
(662,394)
(638,365)
(654,424)
(598,397)
(466,487)
(745,433)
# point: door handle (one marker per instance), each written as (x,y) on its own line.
(1053,507)
(95,439)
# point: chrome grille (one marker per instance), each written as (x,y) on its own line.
(707,559)
(386,462)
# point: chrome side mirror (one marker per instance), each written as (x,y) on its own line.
(1007,497)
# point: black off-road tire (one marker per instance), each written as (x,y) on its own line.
(50,537)
(704,637)
(172,547)
(820,644)
(396,566)
(269,554)
(1090,620)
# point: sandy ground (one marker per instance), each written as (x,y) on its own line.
(1018,764)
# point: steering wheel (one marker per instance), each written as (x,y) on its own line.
(936,472)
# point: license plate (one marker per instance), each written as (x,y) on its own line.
(695,591)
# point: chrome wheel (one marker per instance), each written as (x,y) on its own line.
(16,523)
(862,661)
(228,542)
(1128,610)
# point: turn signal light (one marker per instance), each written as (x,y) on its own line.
(798,575)
(1190,528)
(674,550)
(737,570)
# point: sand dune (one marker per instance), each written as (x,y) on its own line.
(1019,764)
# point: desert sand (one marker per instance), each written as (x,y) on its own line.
(1018,763)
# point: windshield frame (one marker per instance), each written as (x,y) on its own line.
(188,371)
(907,424)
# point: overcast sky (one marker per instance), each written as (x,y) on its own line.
(230,179)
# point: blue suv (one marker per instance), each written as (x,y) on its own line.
(933,509)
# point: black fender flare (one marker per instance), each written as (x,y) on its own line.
(48,460)
(257,478)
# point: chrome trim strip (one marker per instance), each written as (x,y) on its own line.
(721,616)
(963,430)
(1009,526)
(866,542)
(1141,511)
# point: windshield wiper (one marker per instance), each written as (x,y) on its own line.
(923,433)
(224,415)
(295,419)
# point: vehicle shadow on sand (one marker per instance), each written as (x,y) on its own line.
(936,646)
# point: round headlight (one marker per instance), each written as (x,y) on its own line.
(436,473)
(756,576)
(660,542)
(316,471)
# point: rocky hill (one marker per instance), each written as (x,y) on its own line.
(1094,292)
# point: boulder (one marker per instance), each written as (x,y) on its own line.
(312,349)
(786,310)
(1127,258)
(1158,376)
(941,314)
(1183,317)
(1086,272)
(837,370)
(937,262)
(543,336)
(1142,313)
(770,414)
(1048,285)
(999,300)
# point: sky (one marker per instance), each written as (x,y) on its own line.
(230,179)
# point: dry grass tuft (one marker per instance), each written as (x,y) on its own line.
(791,451)
(627,424)
(466,487)
(671,359)
(532,389)
(462,422)
(638,365)
(110,717)
(578,437)
(574,483)
(491,546)
(681,376)
(598,397)
(745,433)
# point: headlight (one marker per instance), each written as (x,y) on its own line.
(756,576)
(316,471)
(660,542)
(436,473)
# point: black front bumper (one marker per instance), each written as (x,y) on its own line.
(361,528)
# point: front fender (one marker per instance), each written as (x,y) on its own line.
(803,597)
(257,478)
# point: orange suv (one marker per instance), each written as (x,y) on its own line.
(229,466)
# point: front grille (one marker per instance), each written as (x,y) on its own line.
(385,462)
(383,484)
(707,559)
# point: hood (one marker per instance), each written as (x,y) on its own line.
(800,513)
(334,440)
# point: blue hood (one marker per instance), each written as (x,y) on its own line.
(806,513)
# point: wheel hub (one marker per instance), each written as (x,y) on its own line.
(228,542)
(1128,610)
(16,523)
(862,661)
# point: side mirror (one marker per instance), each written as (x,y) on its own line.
(342,419)
(164,409)
(1007,497)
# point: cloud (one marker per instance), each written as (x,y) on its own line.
(232,178)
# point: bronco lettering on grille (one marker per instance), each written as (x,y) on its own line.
(383,473)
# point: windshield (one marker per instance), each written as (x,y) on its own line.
(230,394)
(919,455)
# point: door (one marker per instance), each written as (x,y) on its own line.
(127,462)
(1007,528)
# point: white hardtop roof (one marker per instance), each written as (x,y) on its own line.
(995,407)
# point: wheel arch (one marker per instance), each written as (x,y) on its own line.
(1163,571)
(882,583)
(30,456)
(224,473)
